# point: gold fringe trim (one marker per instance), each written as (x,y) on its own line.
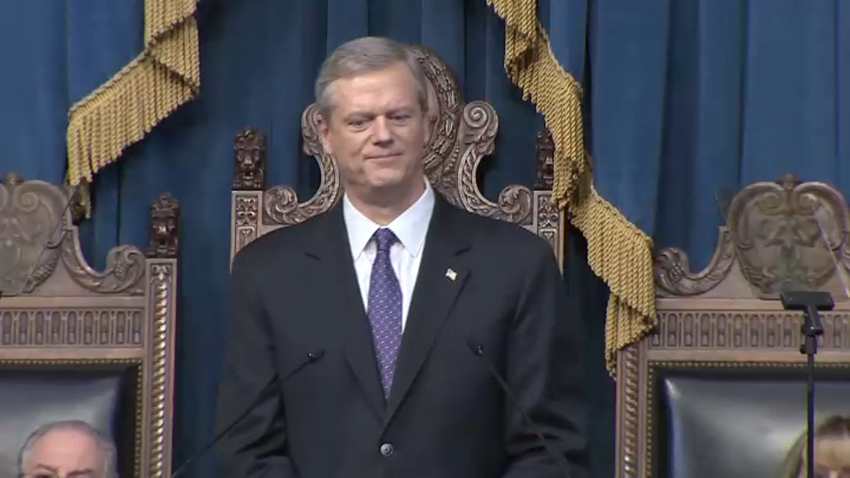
(124,109)
(618,252)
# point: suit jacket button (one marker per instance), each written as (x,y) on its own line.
(387,449)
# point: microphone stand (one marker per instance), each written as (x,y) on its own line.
(810,302)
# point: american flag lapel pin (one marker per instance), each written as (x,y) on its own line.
(451,274)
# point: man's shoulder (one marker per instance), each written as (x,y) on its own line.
(503,237)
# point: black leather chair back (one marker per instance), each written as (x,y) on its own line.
(738,426)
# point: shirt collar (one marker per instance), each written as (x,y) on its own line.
(410,227)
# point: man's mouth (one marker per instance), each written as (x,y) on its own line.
(382,156)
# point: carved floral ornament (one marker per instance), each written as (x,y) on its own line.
(36,233)
(780,235)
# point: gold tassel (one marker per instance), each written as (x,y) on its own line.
(618,252)
(123,110)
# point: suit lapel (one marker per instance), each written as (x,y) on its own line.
(440,279)
(352,324)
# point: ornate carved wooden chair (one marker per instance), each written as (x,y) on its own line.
(465,133)
(81,344)
(719,388)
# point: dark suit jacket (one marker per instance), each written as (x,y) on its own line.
(294,292)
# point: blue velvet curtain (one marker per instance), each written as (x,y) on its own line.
(567,24)
(686,98)
(54,53)
(683,98)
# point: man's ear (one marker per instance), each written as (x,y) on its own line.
(324,133)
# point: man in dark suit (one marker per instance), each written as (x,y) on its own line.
(386,292)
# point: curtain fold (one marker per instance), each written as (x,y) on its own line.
(617,251)
(720,94)
(54,53)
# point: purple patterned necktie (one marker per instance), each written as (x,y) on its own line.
(384,308)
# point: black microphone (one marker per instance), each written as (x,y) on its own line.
(311,358)
(478,349)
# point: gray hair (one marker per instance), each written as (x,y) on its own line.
(365,55)
(110,467)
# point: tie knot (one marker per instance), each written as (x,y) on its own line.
(385,238)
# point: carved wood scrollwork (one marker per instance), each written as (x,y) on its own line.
(789,234)
(36,231)
(125,266)
(280,203)
(445,109)
(780,234)
(480,124)
(29,214)
(673,272)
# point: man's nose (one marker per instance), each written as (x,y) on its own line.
(381,131)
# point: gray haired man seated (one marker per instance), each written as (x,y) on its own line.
(67,449)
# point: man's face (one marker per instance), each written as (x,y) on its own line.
(65,454)
(377,132)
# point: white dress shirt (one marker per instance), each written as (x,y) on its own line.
(410,228)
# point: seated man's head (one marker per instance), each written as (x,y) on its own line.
(67,449)
(831,453)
